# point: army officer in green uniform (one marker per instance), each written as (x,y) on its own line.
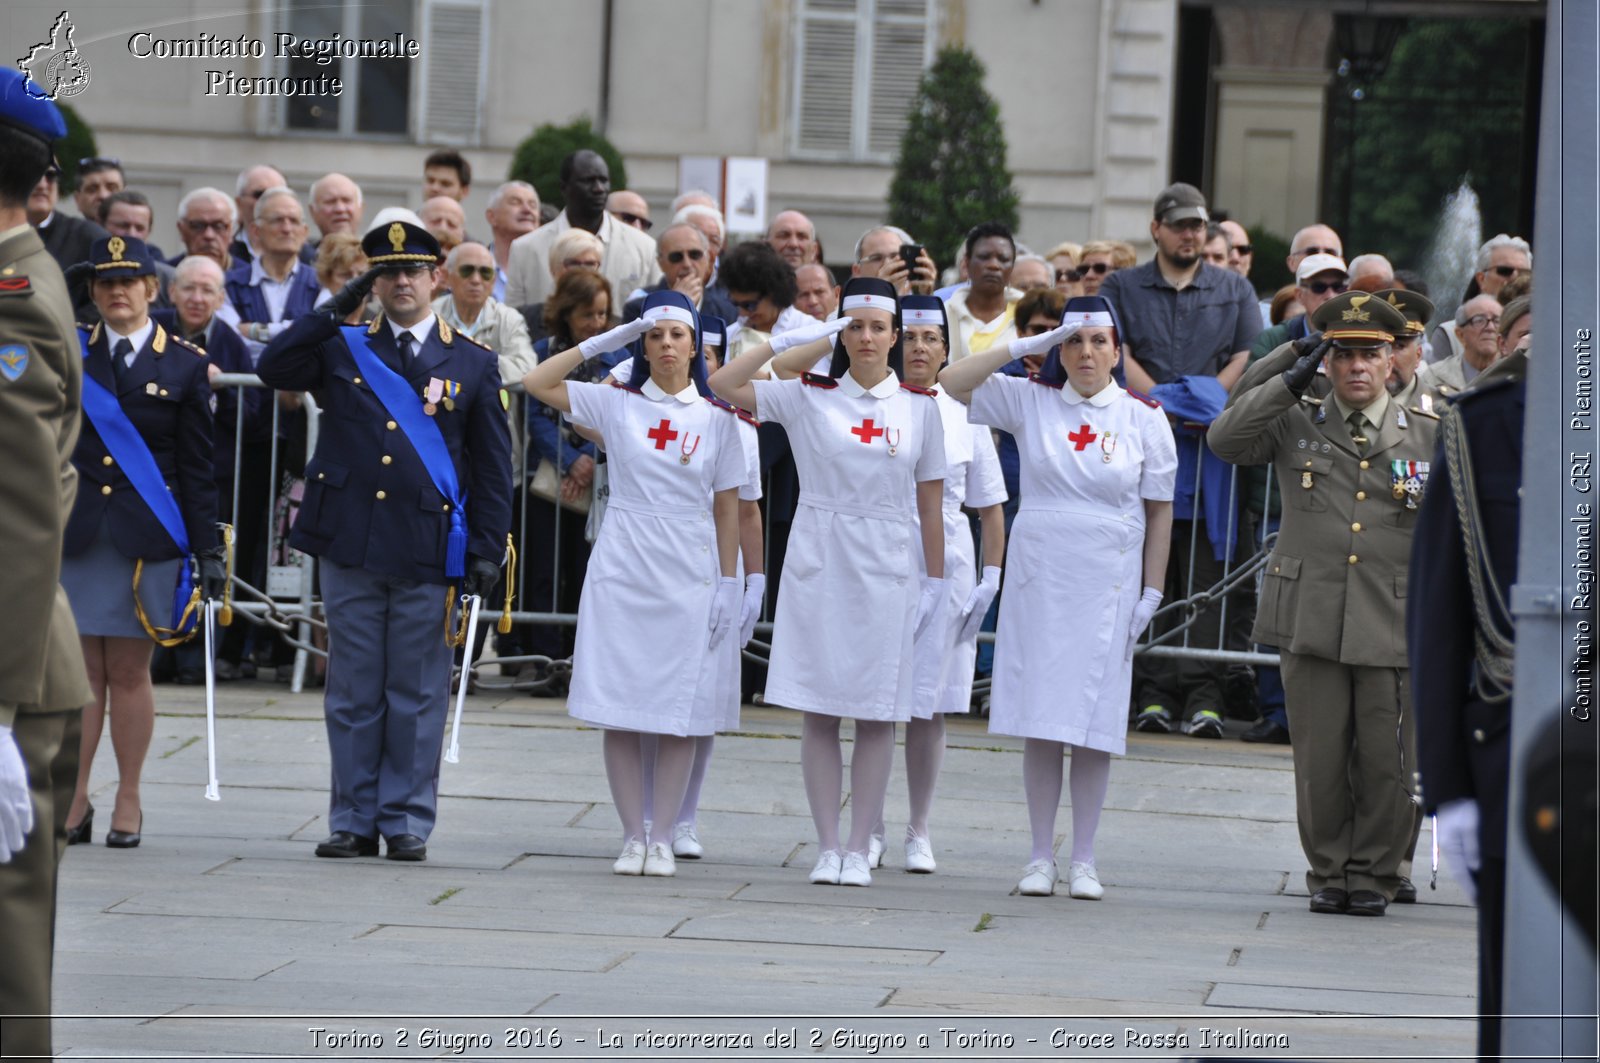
(1351,469)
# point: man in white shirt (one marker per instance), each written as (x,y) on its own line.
(630,258)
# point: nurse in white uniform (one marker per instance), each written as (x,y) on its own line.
(870,453)
(1098,465)
(664,567)
(752,553)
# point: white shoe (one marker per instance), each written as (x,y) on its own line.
(685,843)
(1038,879)
(919,854)
(875,848)
(855,871)
(659,862)
(1083,883)
(631,862)
(826,873)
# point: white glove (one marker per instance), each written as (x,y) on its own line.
(16,803)
(798,337)
(724,609)
(755,589)
(614,340)
(1143,610)
(1024,346)
(978,602)
(1456,826)
(933,592)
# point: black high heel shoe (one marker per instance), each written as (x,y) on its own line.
(124,839)
(79,835)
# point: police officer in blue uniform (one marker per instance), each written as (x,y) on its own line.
(407,502)
(146,505)
(1460,640)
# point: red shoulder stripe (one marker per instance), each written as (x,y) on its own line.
(1142,397)
(743,415)
(915,390)
(1037,379)
(817,380)
(16,286)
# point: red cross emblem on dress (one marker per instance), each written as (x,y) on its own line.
(1082,437)
(662,434)
(866,432)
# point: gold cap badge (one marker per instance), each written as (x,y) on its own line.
(1355,313)
(116,245)
(397,237)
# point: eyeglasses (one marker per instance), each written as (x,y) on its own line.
(1507,272)
(634,220)
(1304,251)
(53,174)
(747,305)
(1481,321)
(1035,328)
(95,162)
(694,254)
(1070,275)
(1243,249)
(219,225)
(1324,287)
(580,263)
(484,273)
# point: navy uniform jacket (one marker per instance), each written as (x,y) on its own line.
(226,350)
(369,501)
(167,396)
(252,305)
(1463,743)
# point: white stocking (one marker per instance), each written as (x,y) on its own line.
(625,773)
(822,765)
(924,757)
(1041,780)
(870,764)
(1091,774)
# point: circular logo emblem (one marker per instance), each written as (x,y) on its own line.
(66,75)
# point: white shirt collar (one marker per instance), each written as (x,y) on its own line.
(655,393)
(138,339)
(419,331)
(881,390)
(1104,397)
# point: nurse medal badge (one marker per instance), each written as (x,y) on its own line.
(1108,446)
(892,437)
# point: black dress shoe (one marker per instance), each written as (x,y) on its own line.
(1367,902)
(342,843)
(125,839)
(1330,900)
(406,847)
(79,835)
(1268,731)
(1406,892)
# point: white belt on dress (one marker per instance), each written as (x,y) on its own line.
(854,509)
(693,514)
(1082,509)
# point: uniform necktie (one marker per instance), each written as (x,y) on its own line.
(119,360)
(1358,435)
(405,342)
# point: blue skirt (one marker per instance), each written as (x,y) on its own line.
(99,584)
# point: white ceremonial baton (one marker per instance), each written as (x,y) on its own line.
(211,704)
(453,754)
(1433,884)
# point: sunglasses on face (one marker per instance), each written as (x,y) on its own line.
(53,174)
(484,273)
(1324,287)
(1036,328)
(694,254)
(1304,251)
(748,305)
(1243,249)
(634,220)
(98,160)
(1070,275)
(1507,272)
(1094,267)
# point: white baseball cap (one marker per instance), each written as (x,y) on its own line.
(1312,265)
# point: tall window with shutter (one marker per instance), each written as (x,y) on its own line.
(454,72)
(857,64)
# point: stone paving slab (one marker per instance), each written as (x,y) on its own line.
(225,926)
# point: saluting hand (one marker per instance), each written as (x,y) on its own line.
(799,337)
(1311,350)
(353,296)
(1023,346)
(615,339)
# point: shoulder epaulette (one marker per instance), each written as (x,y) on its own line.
(16,286)
(476,343)
(916,390)
(1310,400)
(817,380)
(742,414)
(1142,397)
(626,387)
(1420,412)
(201,351)
(1037,379)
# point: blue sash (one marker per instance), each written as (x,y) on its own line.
(129,450)
(422,432)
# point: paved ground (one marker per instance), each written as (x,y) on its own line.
(222,935)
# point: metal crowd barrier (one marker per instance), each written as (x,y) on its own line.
(289,609)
